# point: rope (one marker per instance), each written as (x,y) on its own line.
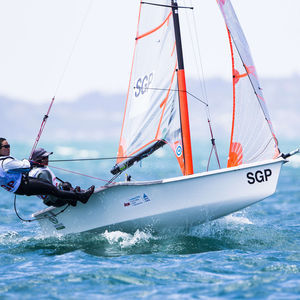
(35,219)
(87,159)
(60,81)
(197,58)
(73,47)
(214,147)
(81,174)
(112,179)
(77,173)
(199,66)
(175,90)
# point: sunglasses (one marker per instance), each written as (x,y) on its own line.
(5,146)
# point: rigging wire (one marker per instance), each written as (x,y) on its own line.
(60,80)
(77,173)
(198,61)
(177,90)
(73,47)
(87,159)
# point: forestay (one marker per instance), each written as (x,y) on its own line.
(252,136)
(152,106)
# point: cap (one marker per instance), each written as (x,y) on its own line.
(40,153)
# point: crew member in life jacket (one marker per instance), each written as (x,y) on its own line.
(40,170)
(14,178)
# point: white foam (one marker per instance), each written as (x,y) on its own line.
(9,235)
(13,237)
(126,239)
(237,219)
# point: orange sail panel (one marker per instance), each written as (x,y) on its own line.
(152,108)
(235,155)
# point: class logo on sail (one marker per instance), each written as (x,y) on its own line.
(179,150)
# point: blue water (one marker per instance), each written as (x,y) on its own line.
(253,254)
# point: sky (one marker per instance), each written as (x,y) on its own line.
(66,48)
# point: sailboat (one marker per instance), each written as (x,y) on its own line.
(156,115)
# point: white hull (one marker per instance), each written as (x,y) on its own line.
(170,203)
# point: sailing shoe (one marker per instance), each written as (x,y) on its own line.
(84,196)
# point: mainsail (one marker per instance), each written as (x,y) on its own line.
(252,136)
(152,112)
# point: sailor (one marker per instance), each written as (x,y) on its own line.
(14,178)
(40,158)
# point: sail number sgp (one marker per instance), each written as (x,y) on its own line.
(142,84)
(259,176)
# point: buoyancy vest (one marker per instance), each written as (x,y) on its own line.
(9,181)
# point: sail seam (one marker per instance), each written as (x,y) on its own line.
(154,29)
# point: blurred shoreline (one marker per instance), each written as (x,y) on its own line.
(98,117)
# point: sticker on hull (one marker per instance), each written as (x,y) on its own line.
(137,200)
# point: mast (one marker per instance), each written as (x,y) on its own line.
(184,114)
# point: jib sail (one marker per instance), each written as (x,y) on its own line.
(252,135)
